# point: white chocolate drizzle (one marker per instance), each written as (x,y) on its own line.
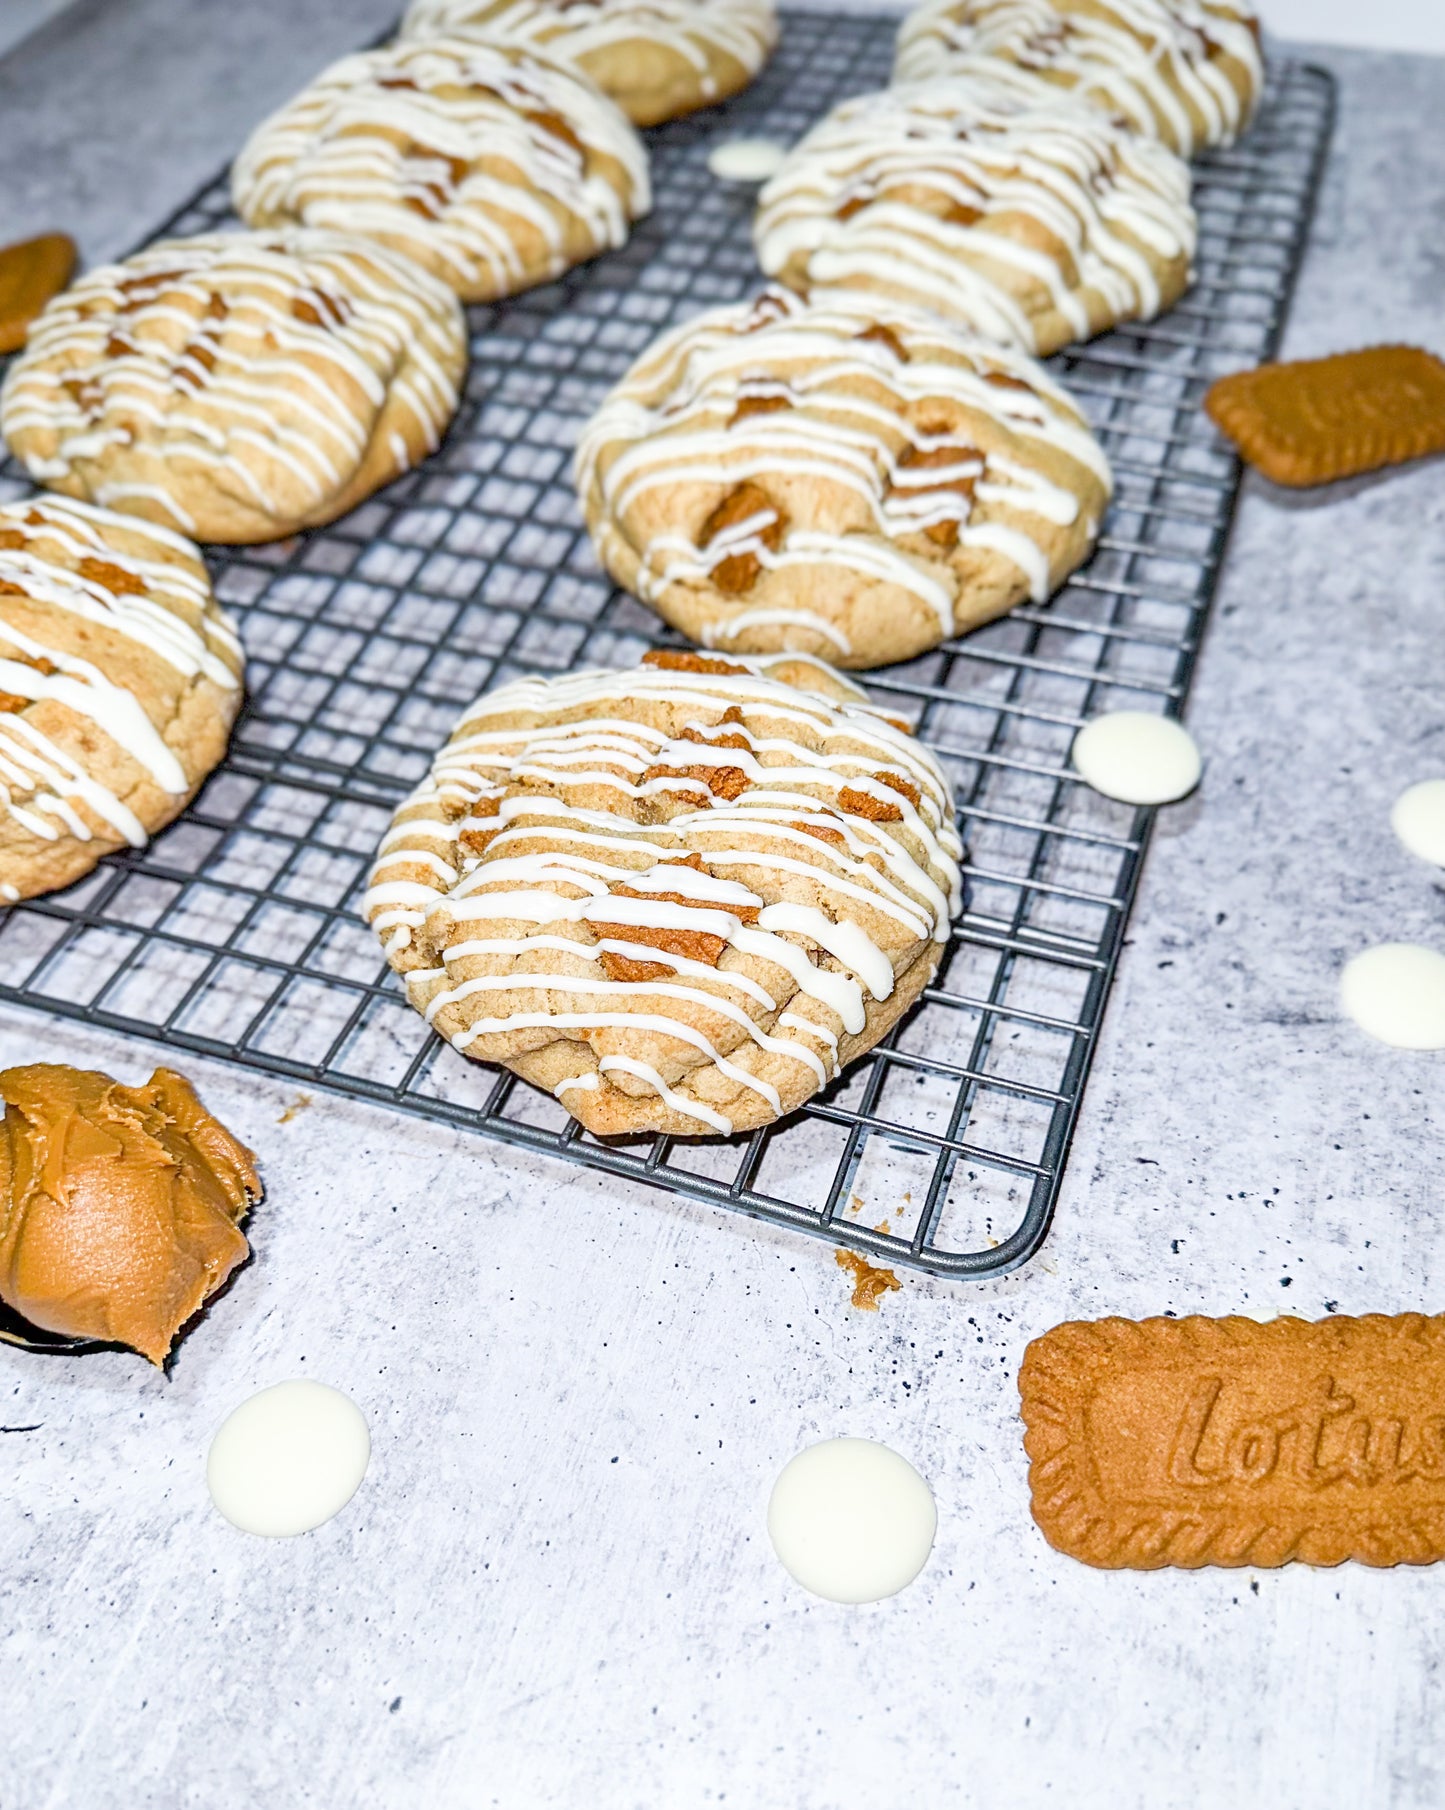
(989,198)
(718,634)
(1159,63)
(457,152)
(836,847)
(257,362)
(825,368)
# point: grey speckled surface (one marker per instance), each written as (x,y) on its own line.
(555,1588)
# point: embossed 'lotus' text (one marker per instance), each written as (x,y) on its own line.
(1319,1441)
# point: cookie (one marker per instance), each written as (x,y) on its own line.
(658,59)
(682,898)
(240,386)
(490,165)
(119,682)
(849,477)
(1229,1442)
(1328,418)
(1187,72)
(30,274)
(992,199)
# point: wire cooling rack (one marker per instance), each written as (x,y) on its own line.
(236,934)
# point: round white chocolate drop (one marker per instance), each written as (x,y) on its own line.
(1138,758)
(288,1459)
(1418,819)
(1396,993)
(746,159)
(852,1521)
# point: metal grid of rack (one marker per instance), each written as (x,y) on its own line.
(236,934)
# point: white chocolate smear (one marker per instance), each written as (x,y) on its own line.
(852,1521)
(1138,758)
(1396,994)
(289,1459)
(1418,819)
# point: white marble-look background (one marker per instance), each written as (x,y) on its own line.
(555,1589)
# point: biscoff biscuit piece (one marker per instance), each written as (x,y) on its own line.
(681,898)
(1230,1442)
(658,59)
(1322,419)
(31,274)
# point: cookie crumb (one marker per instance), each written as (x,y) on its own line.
(869,1284)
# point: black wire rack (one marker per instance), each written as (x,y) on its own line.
(236,933)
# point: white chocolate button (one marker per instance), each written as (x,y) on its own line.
(1397,994)
(288,1459)
(852,1521)
(746,159)
(1418,819)
(1138,758)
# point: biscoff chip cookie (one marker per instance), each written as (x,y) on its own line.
(120,679)
(238,386)
(993,199)
(492,166)
(658,59)
(850,477)
(1187,72)
(682,898)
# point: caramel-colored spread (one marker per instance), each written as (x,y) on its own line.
(119,1206)
(869,1284)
